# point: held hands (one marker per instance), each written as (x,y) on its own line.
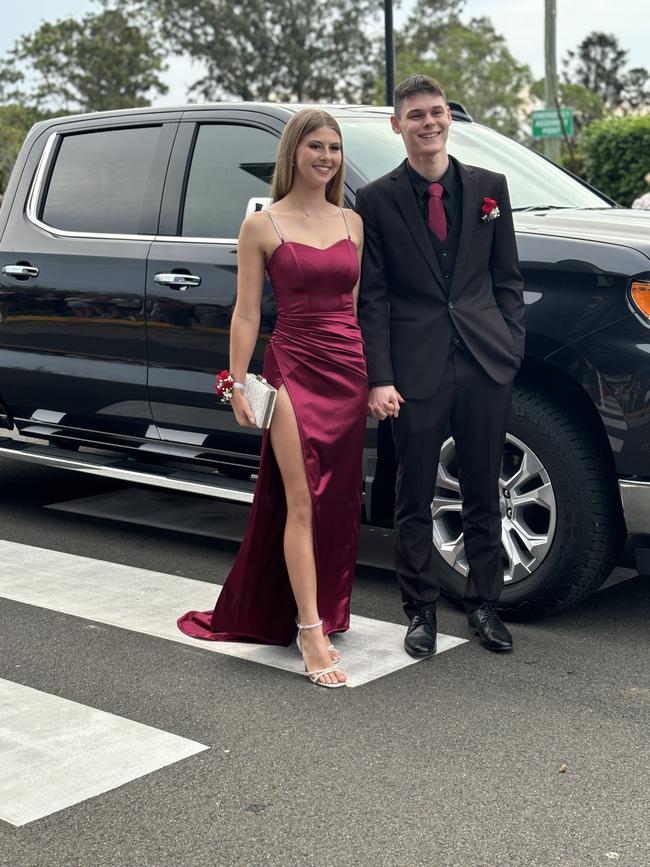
(383,401)
(242,409)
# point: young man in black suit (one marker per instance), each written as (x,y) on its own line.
(441,310)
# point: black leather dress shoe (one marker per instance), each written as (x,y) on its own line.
(421,635)
(489,627)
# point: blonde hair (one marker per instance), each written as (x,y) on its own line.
(300,125)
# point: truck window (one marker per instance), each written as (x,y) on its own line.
(99,180)
(230,165)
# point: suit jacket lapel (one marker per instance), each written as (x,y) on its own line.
(469,184)
(413,218)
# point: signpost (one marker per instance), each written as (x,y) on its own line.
(546,123)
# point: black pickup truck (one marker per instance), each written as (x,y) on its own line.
(118,238)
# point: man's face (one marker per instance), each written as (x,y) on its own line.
(423,123)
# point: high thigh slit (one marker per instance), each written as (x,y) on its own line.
(316,353)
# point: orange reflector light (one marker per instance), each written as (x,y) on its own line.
(641,297)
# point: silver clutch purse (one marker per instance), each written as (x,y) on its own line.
(261,397)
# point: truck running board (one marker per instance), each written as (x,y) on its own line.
(127,469)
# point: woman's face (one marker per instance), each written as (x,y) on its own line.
(318,156)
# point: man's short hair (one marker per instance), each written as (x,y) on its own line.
(413,85)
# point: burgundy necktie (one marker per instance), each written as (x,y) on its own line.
(437,218)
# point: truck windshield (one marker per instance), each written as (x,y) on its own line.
(374,149)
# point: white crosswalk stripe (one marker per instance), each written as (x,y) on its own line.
(150,602)
(55,753)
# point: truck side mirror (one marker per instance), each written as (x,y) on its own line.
(260,204)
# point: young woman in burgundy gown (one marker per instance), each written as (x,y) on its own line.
(294,570)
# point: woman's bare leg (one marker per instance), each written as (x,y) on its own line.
(299,534)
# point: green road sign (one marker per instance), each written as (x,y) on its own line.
(546,123)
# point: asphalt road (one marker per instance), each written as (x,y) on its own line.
(472,759)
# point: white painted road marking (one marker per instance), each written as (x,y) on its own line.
(150,602)
(55,753)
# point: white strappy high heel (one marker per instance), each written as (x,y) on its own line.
(332,650)
(315,676)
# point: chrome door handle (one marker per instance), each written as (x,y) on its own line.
(20,271)
(177,281)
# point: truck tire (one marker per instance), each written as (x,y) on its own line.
(562,520)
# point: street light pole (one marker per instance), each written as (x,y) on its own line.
(551,145)
(390,52)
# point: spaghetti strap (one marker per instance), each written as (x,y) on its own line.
(275,226)
(347,227)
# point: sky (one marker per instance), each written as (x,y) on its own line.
(521,22)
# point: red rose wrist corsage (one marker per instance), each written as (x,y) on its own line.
(224,386)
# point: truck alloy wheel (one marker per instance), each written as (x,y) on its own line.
(561,516)
(528,510)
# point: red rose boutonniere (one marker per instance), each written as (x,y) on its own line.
(489,210)
(224,385)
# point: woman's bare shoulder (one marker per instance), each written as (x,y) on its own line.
(355,223)
(255,227)
(354,218)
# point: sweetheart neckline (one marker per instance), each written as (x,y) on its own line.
(309,247)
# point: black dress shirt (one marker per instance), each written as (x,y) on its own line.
(451,198)
(446,251)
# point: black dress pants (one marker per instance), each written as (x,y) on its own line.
(475,409)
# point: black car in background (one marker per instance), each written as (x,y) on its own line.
(118,238)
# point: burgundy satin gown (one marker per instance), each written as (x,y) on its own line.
(316,353)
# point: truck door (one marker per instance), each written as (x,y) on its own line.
(219,162)
(72,290)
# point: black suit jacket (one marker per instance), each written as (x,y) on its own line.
(404,310)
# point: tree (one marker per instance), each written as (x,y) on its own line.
(15,123)
(424,25)
(281,50)
(471,61)
(615,155)
(10,81)
(99,62)
(636,89)
(598,64)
